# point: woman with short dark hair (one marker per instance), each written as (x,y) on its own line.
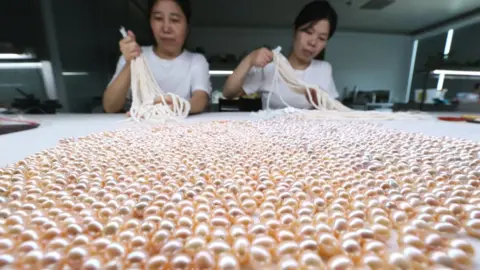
(175,70)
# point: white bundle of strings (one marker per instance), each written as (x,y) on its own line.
(326,107)
(149,102)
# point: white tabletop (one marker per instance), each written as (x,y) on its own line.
(16,146)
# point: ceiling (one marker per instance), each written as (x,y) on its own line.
(403,16)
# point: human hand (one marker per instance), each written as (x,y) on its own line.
(166,100)
(261,57)
(129,47)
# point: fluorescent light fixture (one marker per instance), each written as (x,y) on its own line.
(456,72)
(67,73)
(448,43)
(220,72)
(440,82)
(15,56)
(23,65)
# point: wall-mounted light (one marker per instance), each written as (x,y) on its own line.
(74,73)
(220,72)
(456,72)
(23,65)
(11,56)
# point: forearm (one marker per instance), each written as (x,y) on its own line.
(198,103)
(233,86)
(116,93)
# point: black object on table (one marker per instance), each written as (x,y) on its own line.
(6,129)
(8,125)
(240,105)
(32,105)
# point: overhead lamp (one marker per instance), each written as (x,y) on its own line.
(220,72)
(23,65)
(13,56)
(456,72)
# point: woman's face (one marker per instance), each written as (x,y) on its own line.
(310,41)
(169,26)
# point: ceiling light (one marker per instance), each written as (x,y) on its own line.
(73,73)
(456,72)
(15,56)
(220,72)
(23,65)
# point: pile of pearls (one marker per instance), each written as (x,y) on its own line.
(289,193)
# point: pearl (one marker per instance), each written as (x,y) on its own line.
(6,260)
(459,256)
(441,258)
(228,262)
(136,257)
(327,244)
(473,227)
(340,262)
(181,261)
(204,260)
(260,255)
(399,260)
(288,264)
(415,255)
(310,260)
(463,245)
(241,248)
(157,262)
(373,262)
(218,246)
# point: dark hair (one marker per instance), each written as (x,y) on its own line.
(184,5)
(316,11)
(477,86)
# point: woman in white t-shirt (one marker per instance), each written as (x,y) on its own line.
(175,70)
(314,25)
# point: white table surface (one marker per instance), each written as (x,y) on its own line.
(18,145)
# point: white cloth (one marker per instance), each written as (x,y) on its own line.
(181,76)
(317,73)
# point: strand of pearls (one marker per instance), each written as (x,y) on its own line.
(326,107)
(149,102)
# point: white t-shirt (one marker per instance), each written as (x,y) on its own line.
(183,75)
(317,73)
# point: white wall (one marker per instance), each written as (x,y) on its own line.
(370,61)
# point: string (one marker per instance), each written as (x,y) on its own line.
(149,102)
(325,107)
